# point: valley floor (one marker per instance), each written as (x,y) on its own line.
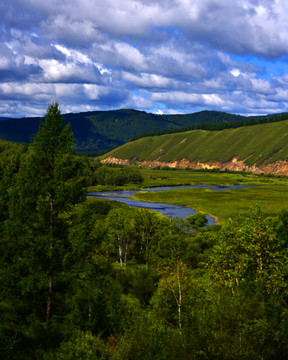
(269,192)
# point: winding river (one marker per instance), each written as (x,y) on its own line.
(174,211)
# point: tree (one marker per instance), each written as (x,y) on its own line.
(173,280)
(247,269)
(82,346)
(10,154)
(49,183)
(197,220)
(248,253)
(145,227)
(120,225)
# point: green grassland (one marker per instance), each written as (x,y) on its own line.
(268,191)
(160,177)
(225,204)
(254,143)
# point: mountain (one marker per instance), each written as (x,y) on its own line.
(258,148)
(103,130)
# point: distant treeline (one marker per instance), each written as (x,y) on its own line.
(217,126)
(92,153)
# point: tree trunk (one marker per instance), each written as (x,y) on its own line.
(49,300)
(90,307)
(50,273)
(126,252)
(120,252)
(179,302)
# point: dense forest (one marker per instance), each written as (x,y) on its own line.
(85,278)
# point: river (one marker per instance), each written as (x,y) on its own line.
(174,211)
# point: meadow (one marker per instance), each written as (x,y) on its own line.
(269,192)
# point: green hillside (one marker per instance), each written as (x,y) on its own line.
(258,142)
(103,130)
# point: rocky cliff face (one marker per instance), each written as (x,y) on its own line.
(279,167)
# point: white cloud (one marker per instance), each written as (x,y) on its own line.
(212,100)
(235,72)
(148,54)
(94,92)
(149,80)
(177,97)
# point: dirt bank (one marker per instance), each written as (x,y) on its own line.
(279,167)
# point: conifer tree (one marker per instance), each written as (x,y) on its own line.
(49,183)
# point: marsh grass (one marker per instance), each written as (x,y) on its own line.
(183,177)
(269,192)
(227,203)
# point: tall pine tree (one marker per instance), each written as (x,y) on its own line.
(36,247)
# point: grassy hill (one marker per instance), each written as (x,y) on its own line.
(254,143)
(103,130)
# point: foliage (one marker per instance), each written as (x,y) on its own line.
(197,220)
(100,174)
(216,292)
(116,177)
(10,154)
(248,253)
(35,240)
(82,346)
(121,230)
(221,121)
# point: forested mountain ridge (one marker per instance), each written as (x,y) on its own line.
(259,148)
(103,130)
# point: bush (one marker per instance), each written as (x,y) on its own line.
(82,346)
(197,220)
(105,175)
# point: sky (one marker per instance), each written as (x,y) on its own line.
(168,56)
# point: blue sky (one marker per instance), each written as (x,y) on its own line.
(169,56)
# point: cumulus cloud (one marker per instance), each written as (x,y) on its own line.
(144,80)
(168,56)
(13,66)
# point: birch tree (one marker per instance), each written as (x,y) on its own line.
(248,253)
(175,297)
(121,229)
(146,227)
(247,268)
